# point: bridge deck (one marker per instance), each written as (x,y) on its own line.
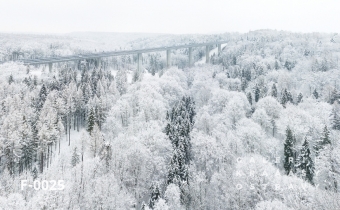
(59,59)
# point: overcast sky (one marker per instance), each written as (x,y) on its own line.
(168,16)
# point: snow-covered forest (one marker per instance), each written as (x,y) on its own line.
(257,128)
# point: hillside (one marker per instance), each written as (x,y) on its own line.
(257,128)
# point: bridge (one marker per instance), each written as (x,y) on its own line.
(98,56)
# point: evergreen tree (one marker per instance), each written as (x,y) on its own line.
(315,94)
(274,91)
(324,140)
(35,80)
(234,60)
(90,121)
(290,98)
(326,164)
(257,93)
(299,98)
(335,119)
(335,96)
(75,157)
(153,71)
(288,152)
(276,65)
(244,84)
(143,206)
(34,173)
(154,194)
(247,75)
(250,98)
(178,128)
(325,136)
(42,97)
(10,79)
(286,97)
(289,65)
(306,164)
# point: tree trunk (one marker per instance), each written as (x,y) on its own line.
(59,146)
(42,162)
(48,155)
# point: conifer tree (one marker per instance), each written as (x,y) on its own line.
(315,94)
(286,97)
(325,164)
(299,98)
(10,79)
(257,93)
(34,173)
(305,163)
(290,98)
(75,157)
(90,121)
(250,98)
(143,206)
(276,65)
(42,97)
(325,137)
(274,91)
(335,96)
(180,124)
(335,119)
(324,140)
(244,84)
(288,152)
(154,195)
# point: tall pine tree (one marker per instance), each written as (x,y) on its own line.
(299,98)
(274,91)
(250,98)
(289,152)
(154,195)
(305,162)
(90,121)
(335,119)
(75,157)
(315,94)
(257,93)
(180,124)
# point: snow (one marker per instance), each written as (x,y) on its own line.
(212,52)
(138,152)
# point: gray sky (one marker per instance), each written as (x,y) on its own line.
(168,16)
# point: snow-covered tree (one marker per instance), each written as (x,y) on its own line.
(155,195)
(274,91)
(75,157)
(305,162)
(257,93)
(250,98)
(299,98)
(289,152)
(96,140)
(90,121)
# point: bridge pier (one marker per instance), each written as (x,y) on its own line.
(190,56)
(168,54)
(98,61)
(219,48)
(139,62)
(207,54)
(50,67)
(87,64)
(76,64)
